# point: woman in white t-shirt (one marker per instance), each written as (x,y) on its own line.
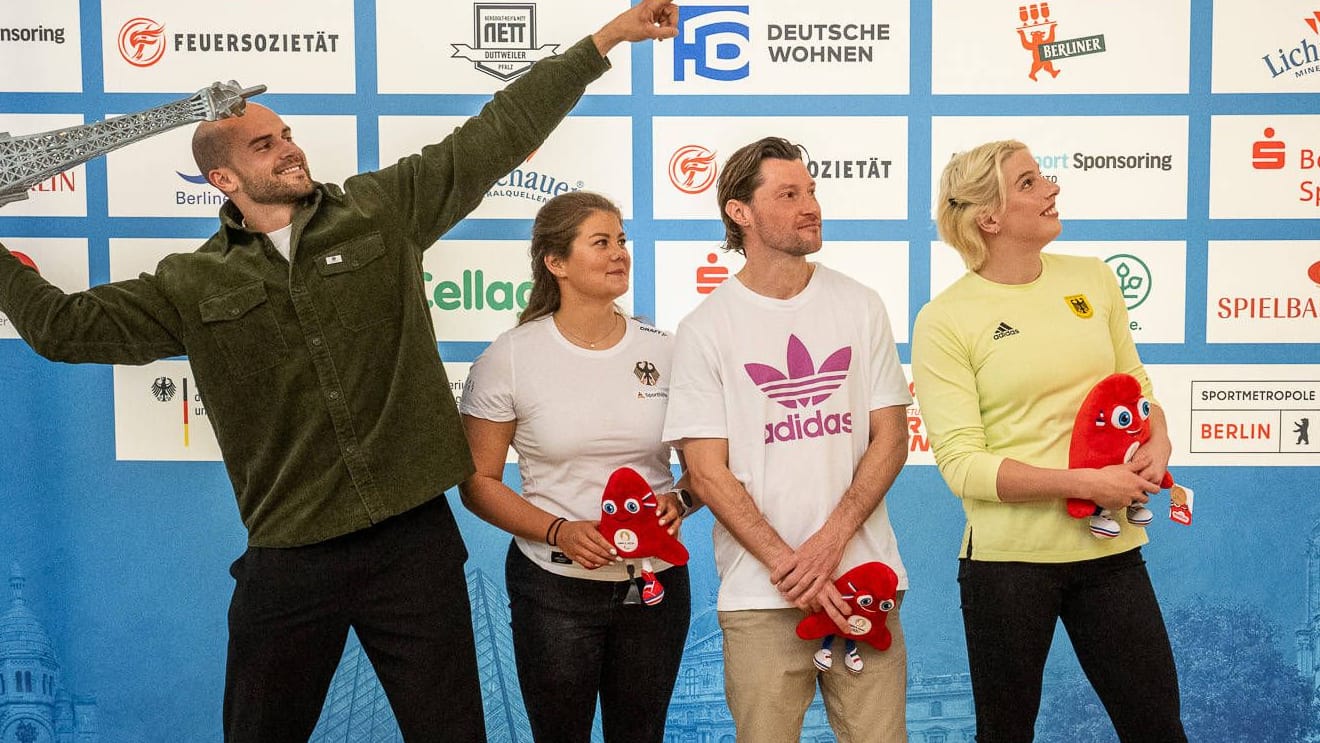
(579,390)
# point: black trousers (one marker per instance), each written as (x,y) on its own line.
(1109,610)
(575,639)
(400,585)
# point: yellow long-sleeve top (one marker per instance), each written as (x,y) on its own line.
(1000,371)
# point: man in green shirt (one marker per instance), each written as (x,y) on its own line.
(305,323)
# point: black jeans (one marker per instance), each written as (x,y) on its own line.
(574,639)
(1109,610)
(400,585)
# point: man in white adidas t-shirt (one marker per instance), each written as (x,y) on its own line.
(790,405)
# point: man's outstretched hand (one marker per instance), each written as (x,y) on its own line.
(649,19)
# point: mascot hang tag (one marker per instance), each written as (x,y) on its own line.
(1180,504)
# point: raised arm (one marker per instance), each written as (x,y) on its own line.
(124,322)
(649,19)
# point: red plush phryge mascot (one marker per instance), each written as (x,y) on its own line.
(870,590)
(1110,426)
(628,520)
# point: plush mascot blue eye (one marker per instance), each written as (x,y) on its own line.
(1122,417)
(608,507)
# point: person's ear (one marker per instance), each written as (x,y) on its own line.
(224,179)
(555,264)
(739,212)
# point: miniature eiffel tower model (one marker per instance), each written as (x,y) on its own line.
(32,158)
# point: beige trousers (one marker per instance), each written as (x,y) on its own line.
(770,679)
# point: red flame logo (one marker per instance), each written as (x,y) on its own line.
(142,42)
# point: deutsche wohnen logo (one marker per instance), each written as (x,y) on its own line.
(714,42)
(142,42)
(692,168)
(504,40)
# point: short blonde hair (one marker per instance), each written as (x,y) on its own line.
(971,186)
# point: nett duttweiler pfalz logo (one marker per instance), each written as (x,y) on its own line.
(803,385)
(504,40)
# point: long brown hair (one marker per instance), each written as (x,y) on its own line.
(556,226)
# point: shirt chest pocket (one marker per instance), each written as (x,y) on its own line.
(243,324)
(362,279)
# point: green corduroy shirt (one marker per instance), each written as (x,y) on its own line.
(319,375)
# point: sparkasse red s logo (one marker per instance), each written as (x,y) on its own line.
(142,42)
(692,168)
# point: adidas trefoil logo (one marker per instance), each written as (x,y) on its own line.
(1004,330)
(803,386)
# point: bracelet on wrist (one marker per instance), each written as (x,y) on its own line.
(552,531)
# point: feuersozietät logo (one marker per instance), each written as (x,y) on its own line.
(692,168)
(504,40)
(803,385)
(1037,35)
(714,42)
(142,42)
(1134,278)
(858,168)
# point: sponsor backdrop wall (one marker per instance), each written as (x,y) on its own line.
(1184,135)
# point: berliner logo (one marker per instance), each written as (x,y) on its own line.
(142,42)
(692,168)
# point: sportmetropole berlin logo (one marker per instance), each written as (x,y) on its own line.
(1037,35)
(142,42)
(804,385)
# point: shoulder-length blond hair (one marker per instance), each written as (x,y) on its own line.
(971,186)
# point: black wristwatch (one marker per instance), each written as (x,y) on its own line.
(685,498)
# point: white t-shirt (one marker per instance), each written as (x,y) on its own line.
(790,384)
(581,415)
